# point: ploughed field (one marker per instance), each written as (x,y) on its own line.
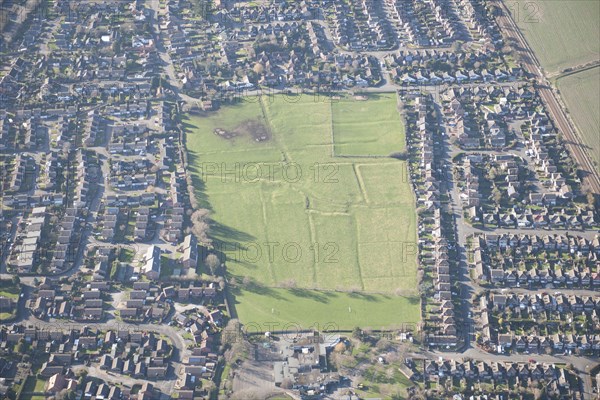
(312,207)
(562,34)
(580,91)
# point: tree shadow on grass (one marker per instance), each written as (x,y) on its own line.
(373,96)
(199,186)
(321,297)
(227,241)
(229,245)
(256,288)
(363,296)
(221,232)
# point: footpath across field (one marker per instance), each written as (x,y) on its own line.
(312,207)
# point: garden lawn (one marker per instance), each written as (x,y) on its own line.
(9,290)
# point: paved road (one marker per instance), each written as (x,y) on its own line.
(164,55)
(582,365)
(567,292)
(588,234)
(455,207)
(468,287)
(180,351)
(550,98)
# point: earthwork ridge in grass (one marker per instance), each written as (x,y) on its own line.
(304,219)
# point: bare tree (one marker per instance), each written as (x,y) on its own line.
(591,200)
(221,283)
(200,226)
(66,148)
(420,274)
(383,344)
(210,386)
(212,262)
(231,333)
(258,68)
(497,195)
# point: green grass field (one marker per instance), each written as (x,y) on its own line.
(287,213)
(326,310)
(353,119)
(580,93)
(561,33)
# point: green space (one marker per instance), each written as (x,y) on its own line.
(167,267)
(126,255)
(356,132)
(30,386)
(580,93)
(562,34)
(5,315)
(307,226)
(327,310)
(375,379)
(40,385)
(9,289)
(8,293)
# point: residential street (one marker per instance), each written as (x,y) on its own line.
(97,100)
(179,354)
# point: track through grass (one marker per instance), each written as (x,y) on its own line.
(319,233)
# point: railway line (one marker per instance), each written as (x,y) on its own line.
(590,178)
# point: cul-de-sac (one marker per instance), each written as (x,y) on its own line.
(300,200)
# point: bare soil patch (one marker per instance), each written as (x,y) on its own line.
(250,127)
